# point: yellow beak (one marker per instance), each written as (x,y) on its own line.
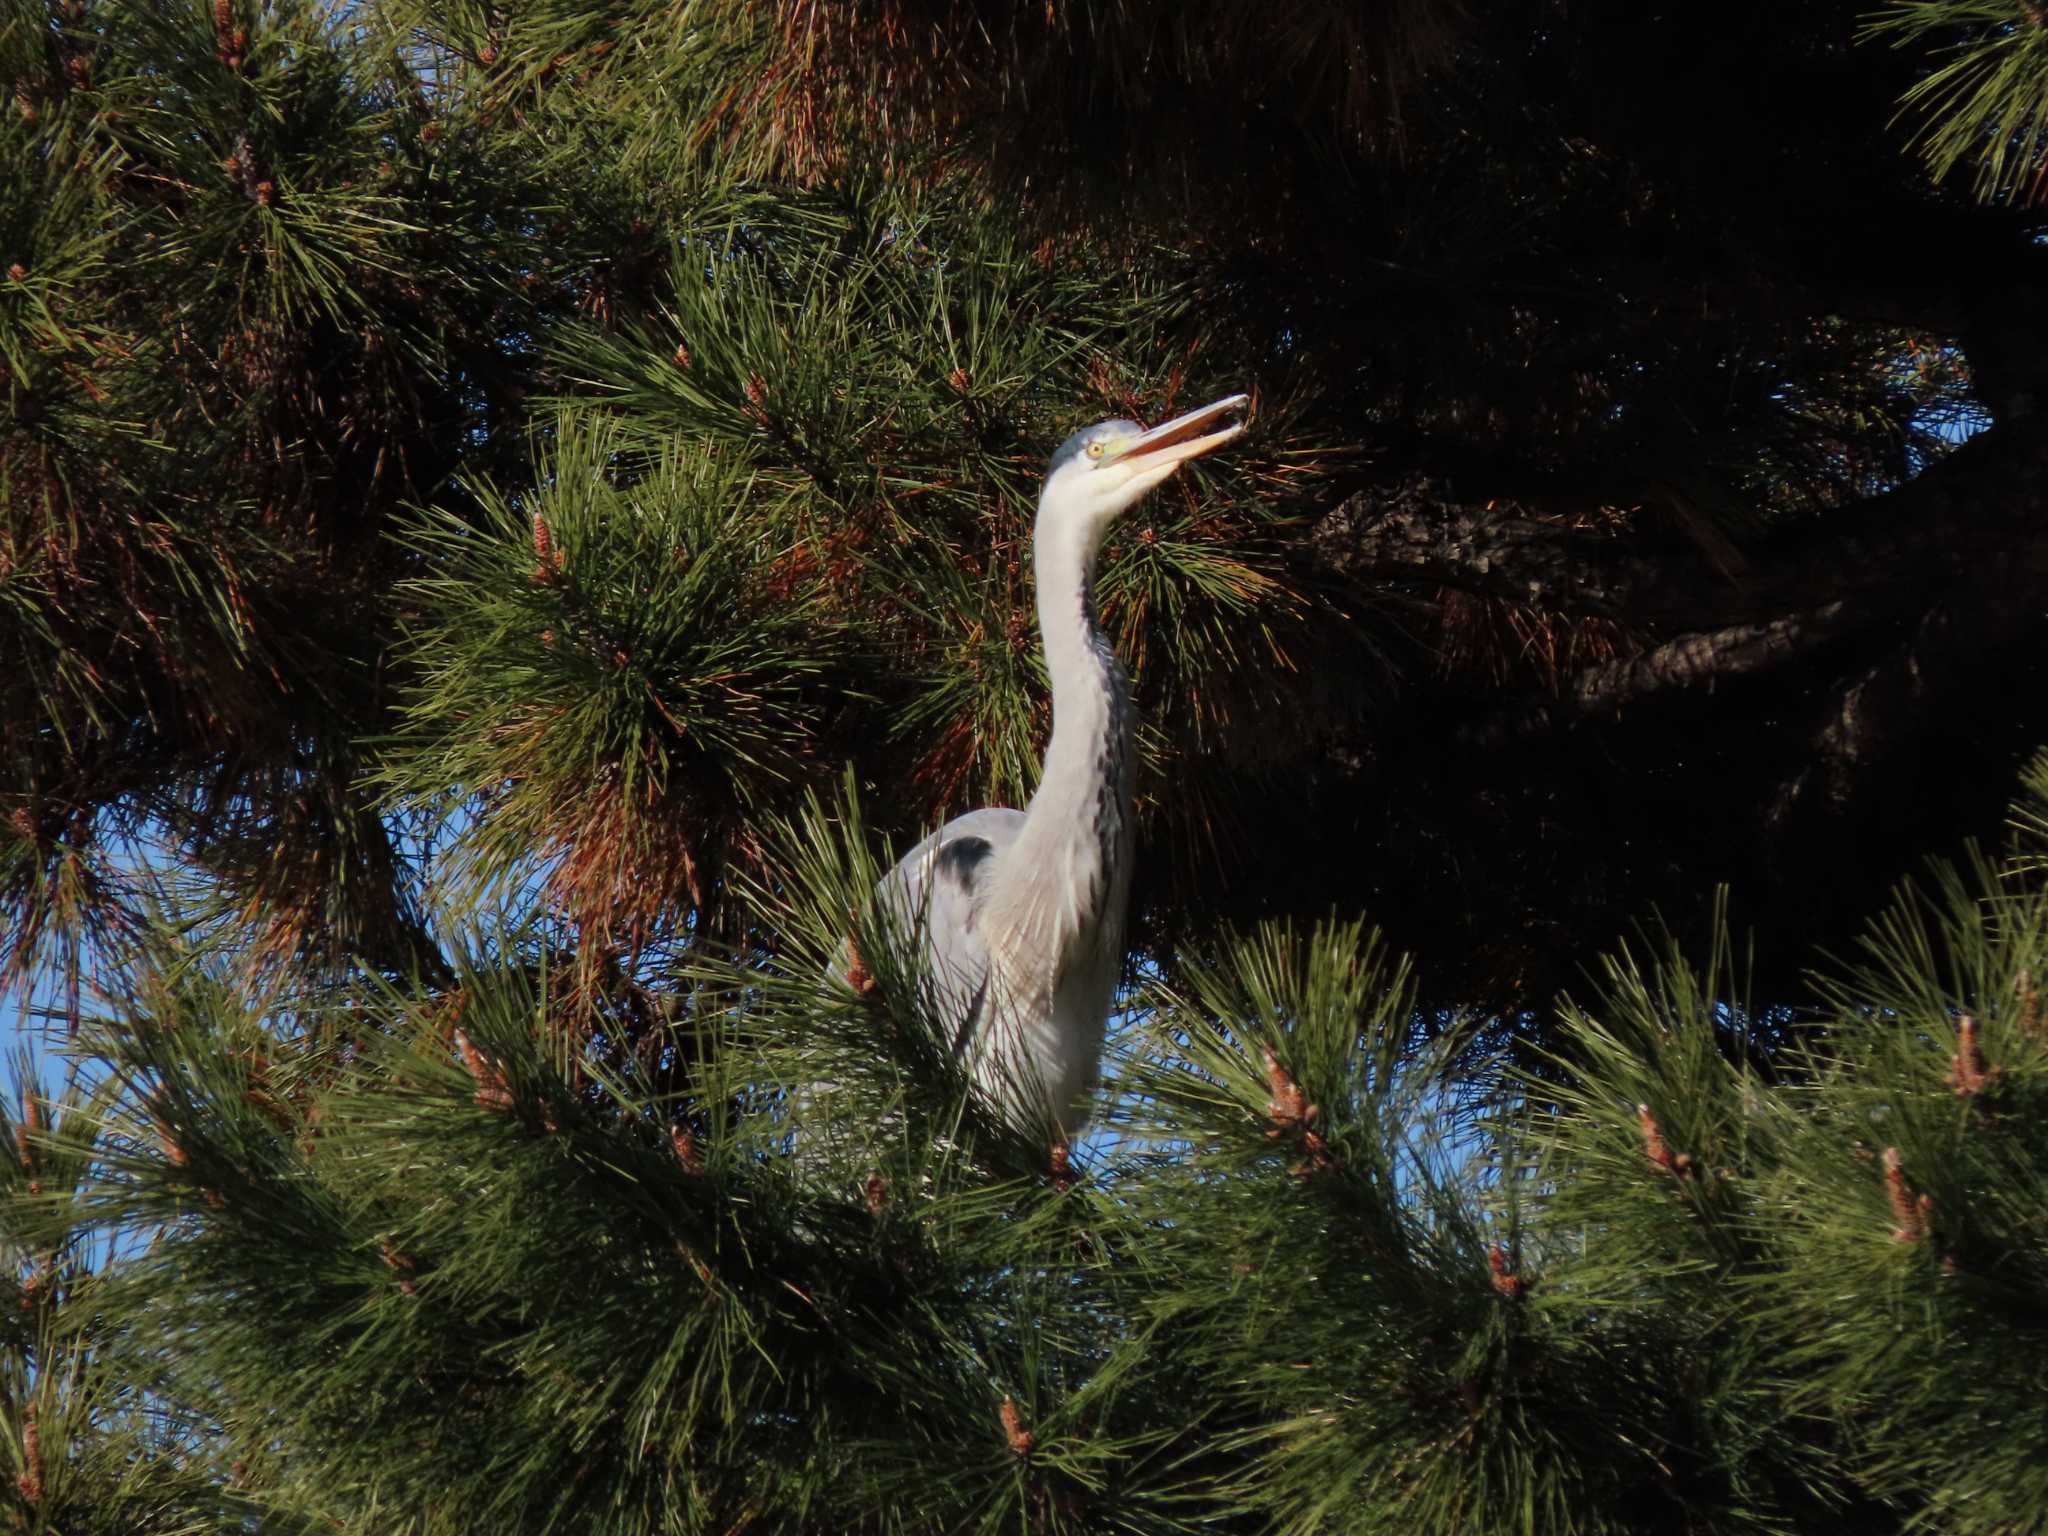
(1187,437)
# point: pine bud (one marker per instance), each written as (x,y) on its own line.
(167,1142)
(1021,1439)
(24,1139)
(958,380)
(265,193)
(228,40)
(857,975)
(1655,1148)
(683,356)
(487,56)
(685,1143)
(175,1154)
(18,272)
(1968,1076)
(1914,1212)
(1288,1108)
(1505,1280)
(699,1268)
(30,1482)
(877,1193)
(492,1091)
(550,558)
(691,882)
(1292,1115)
(399,1265)
(1064,1177)
(309,1130)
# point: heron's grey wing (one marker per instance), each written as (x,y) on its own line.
(936,893)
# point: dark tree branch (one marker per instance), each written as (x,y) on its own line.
(1986,504)
(1956,560)
(1701,658)
(1885,706)
(1409,533)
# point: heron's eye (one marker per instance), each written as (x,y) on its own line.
(1095,450)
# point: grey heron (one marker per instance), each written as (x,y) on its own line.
(1020,914)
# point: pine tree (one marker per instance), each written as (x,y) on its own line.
(509,514)
(1986,107)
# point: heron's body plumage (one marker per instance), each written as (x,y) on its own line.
(1021,913)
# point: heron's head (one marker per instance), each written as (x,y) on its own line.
(1103,469)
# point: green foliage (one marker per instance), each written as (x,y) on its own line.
(413,1256)
(85,1445)
(835,403)
(1913,1198)
(288,285)
(1840,1241)
(607,671)
(243,262)
(472,477)
(1984,106)
(620,1307)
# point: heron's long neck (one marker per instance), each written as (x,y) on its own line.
(1084,794)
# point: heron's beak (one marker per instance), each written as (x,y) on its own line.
(1187,437)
